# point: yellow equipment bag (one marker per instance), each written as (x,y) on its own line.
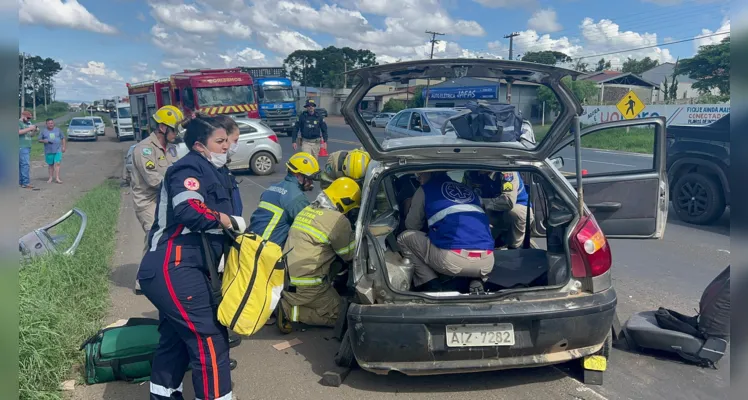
(253,278)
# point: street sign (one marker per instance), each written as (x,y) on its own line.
(630,105)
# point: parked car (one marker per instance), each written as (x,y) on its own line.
(82,128)
(322,112)
(259,149)
(367,115)
(418,122)
(382,119)
(698,161)
(540,306)
(100,126)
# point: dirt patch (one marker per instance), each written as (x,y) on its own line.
(85,165)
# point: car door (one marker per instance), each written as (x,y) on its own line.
(248,134)
(624,179)
(398,126)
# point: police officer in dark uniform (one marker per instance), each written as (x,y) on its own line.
(313,128)
(194,199)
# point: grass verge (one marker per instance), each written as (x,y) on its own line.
(635,140)
(64,299)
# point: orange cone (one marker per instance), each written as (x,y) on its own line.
(323,150)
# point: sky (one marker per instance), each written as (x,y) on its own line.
(102,45)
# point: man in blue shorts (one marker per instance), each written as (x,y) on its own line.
(54,146)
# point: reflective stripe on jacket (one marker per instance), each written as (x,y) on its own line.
(278,207)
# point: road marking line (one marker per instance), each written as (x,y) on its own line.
(626,153)
(724,251)
(255,183)
(590,390)
(342,141)
(607,163)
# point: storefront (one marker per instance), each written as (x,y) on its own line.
(440,96)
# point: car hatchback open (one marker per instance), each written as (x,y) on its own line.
(543,303)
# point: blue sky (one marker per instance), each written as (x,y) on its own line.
(104,44)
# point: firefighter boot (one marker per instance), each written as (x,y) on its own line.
(284,325)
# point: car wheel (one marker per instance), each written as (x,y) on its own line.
(373,124)
(698,199)
(345,357)
(262,163)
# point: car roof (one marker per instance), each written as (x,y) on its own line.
(427,109)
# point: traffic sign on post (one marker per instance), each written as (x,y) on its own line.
(630,105)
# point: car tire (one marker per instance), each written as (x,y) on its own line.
(262,163)
(345,357)
(373,124)
(698,199)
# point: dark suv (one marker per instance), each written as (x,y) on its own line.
(698,158)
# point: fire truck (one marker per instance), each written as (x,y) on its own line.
(145,99)
(215,91)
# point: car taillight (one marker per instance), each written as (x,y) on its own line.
(590,251)
(273,138)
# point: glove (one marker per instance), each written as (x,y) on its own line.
(238,224)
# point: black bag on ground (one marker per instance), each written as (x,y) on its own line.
(488,122)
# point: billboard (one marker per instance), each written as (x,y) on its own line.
(463,93)
(685,114)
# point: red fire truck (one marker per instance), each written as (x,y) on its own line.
(145,99)
(215,91)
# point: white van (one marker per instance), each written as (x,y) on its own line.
(122,121)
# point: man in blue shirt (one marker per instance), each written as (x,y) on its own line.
(54,146)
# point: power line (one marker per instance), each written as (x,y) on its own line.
(654,45)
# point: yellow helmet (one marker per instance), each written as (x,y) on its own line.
(303,163)
(169,116)
(356,163)
(344,193)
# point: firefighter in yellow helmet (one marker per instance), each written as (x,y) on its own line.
(320,234)
(151,157)
(342,163)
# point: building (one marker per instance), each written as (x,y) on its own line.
(615,84)
(686,92)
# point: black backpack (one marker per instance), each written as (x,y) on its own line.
(488,122)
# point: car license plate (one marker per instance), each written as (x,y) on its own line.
(480,335)
(279,123)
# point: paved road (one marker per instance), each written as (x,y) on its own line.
(670,272)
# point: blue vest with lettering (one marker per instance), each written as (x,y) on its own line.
(455,218)
(488,188)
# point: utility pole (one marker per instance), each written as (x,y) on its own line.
(431,57)
(345,74)
(23,82)
(511,48)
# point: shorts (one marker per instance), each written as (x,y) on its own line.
(53,158)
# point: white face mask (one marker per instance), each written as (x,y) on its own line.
(218,159)
(233,148)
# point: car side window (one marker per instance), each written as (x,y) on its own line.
(402,121)
(415,121)
(246,128)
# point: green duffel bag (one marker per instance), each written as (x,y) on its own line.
(122,351)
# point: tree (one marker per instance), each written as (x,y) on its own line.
(546,57)
(394,105)
(38,79)
(418,99)
(710,67)
(602,65)
(581,66)
(326,67)
(637,67)
(583,90)
(665,90)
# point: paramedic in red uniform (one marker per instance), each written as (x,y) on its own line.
(173,274)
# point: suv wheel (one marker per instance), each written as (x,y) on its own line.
(698,199)
(262,163)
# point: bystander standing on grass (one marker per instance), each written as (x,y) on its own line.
(26,131)
(54,145)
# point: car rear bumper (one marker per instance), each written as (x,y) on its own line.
(412,338)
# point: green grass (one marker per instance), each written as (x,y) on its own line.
(63,299)
(54,110)
(636,140)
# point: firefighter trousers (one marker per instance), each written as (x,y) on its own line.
(190,336)
(316,305)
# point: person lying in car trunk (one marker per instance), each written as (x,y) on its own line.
(458,242)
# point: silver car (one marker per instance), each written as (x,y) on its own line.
(382,119)
(259,149)
(100,126)
(82,128)
(418,122)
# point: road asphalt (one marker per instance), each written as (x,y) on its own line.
(647,274)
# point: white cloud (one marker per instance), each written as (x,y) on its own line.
(89,81)
(56,13)
(95,68)
(286,42)
(544,21)
(140,67)
(505,3)
(191,19)
(328,19)
(703,41)
(606,36)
